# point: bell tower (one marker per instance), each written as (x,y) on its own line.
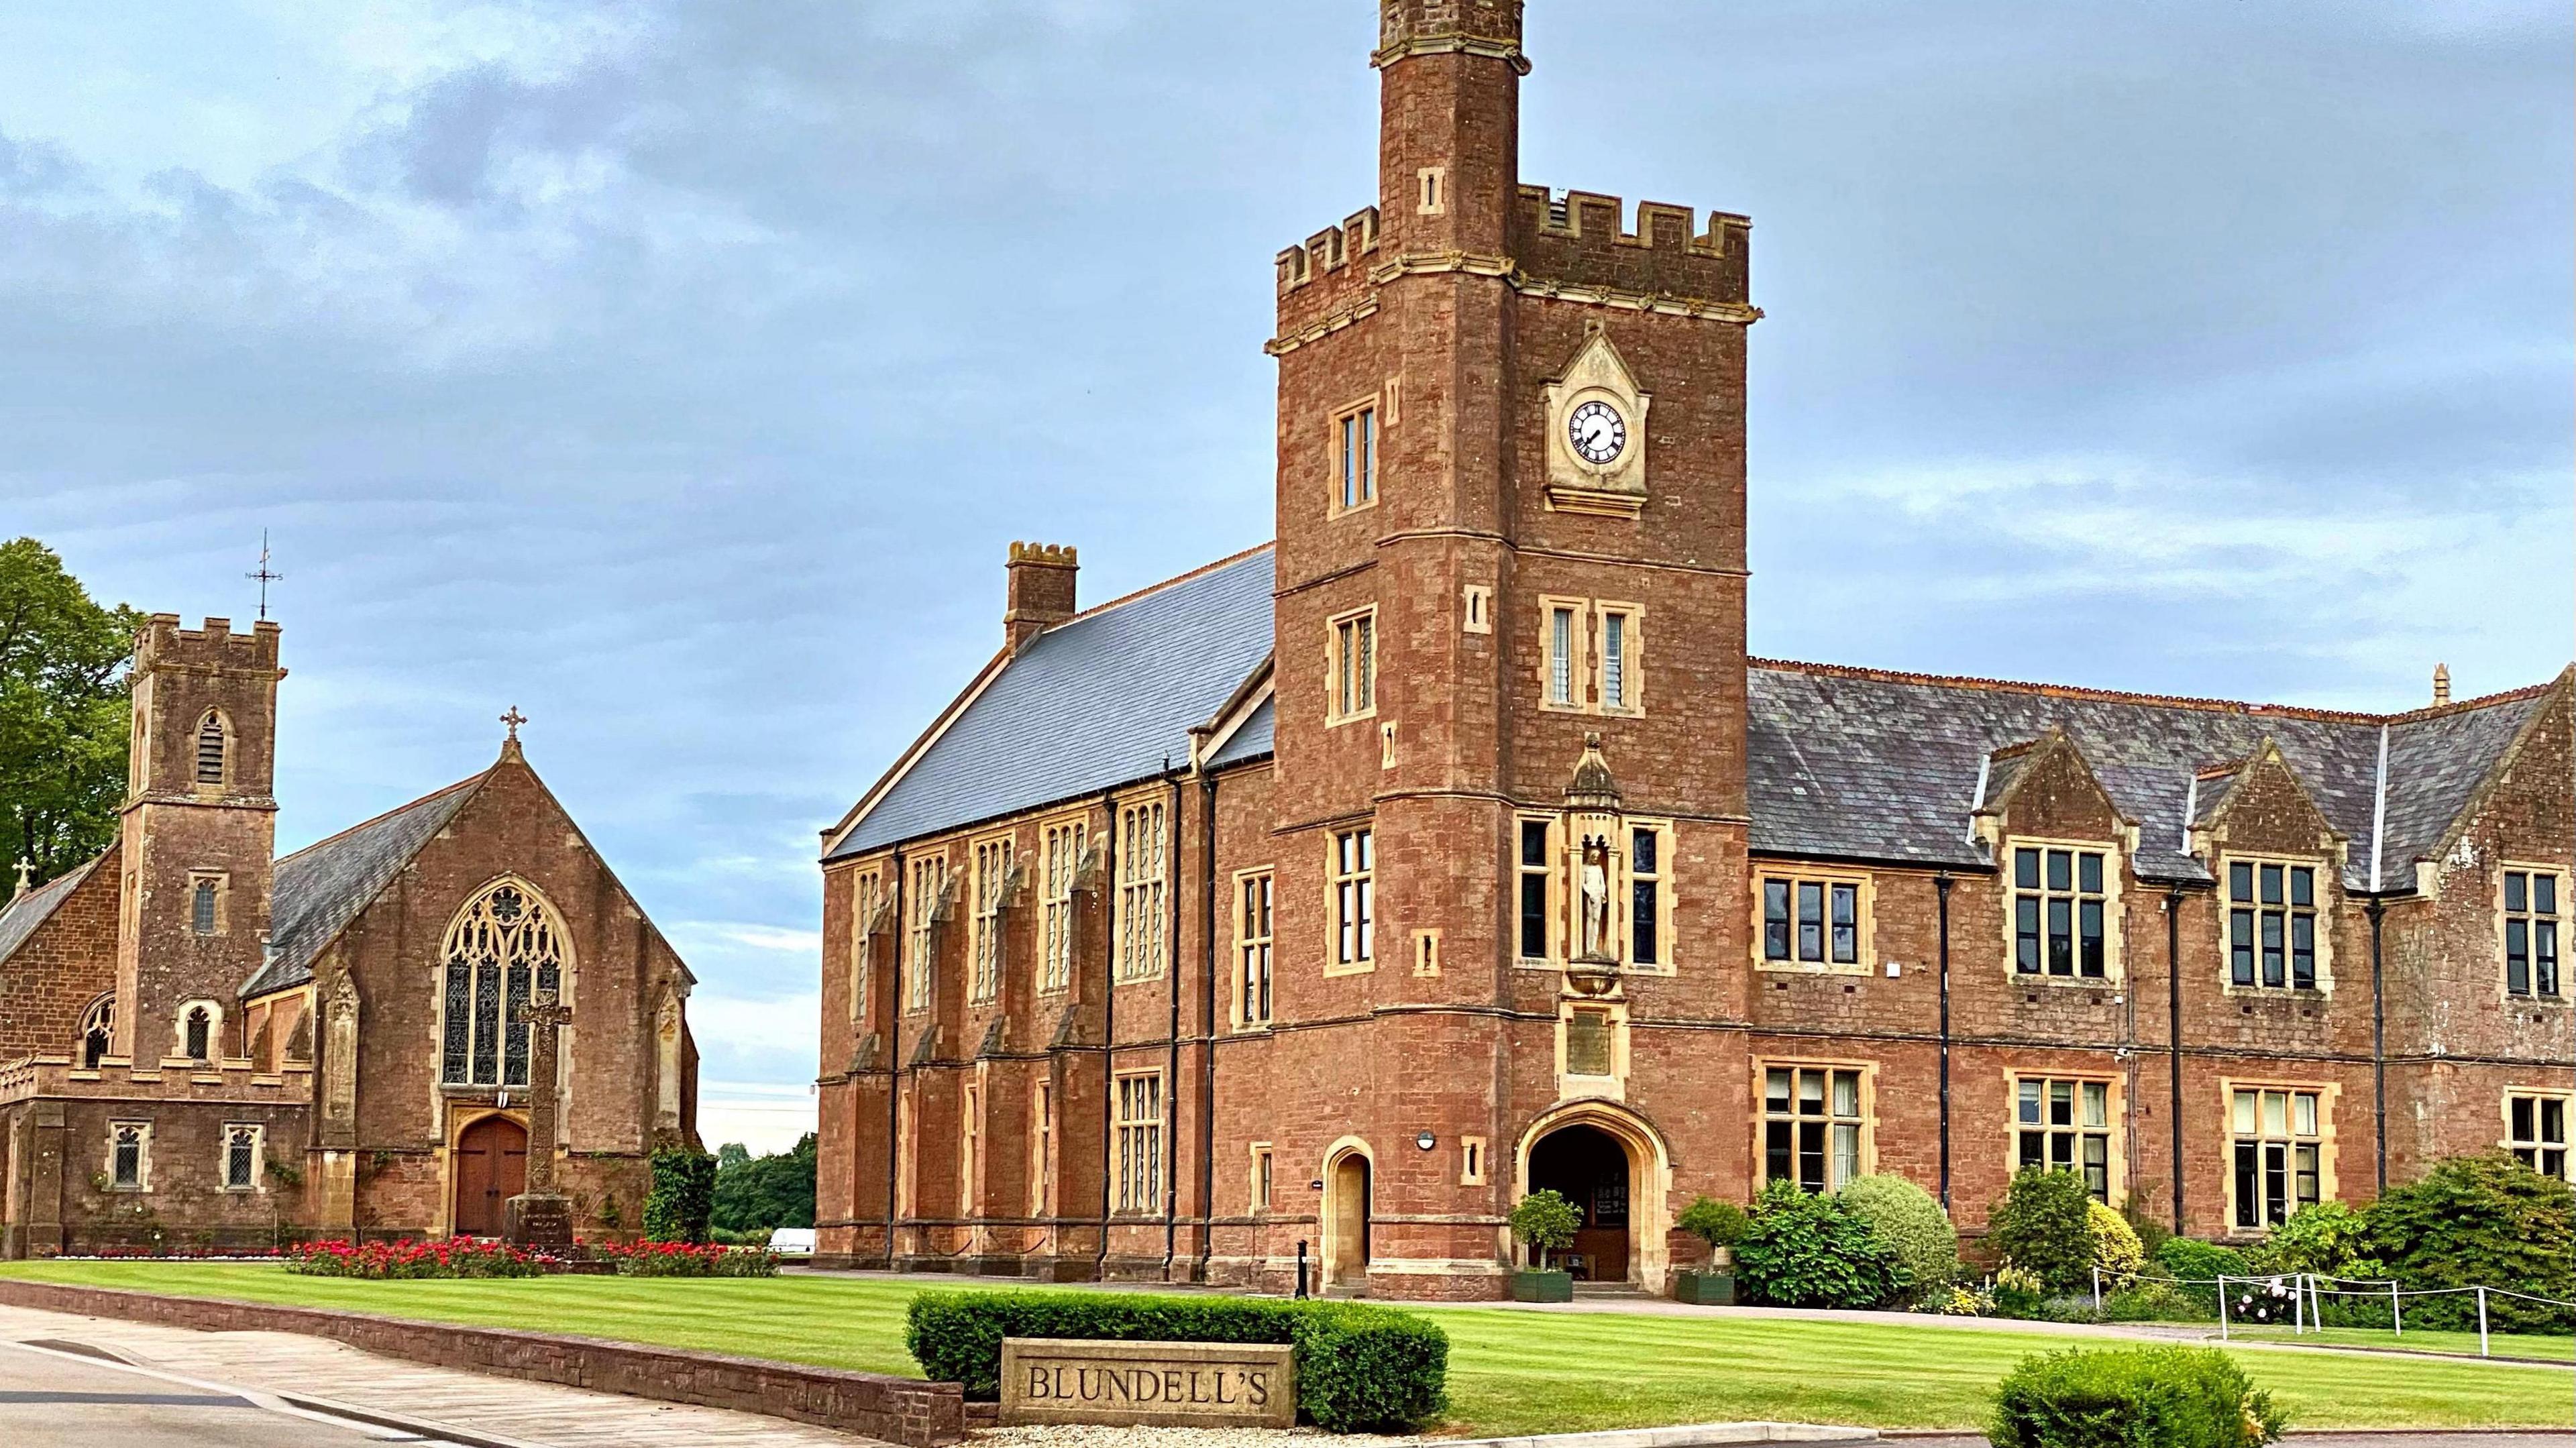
(199,837)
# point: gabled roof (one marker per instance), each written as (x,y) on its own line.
(19,919)
(1105,698)
(1254,740)
(1867,764)
(319,889)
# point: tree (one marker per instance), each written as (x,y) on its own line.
(65,711)
(2480,1220)
(1545,1222)
(756,1193)
(2044,1225)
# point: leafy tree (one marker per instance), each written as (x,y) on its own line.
(2481,1220)
(65,711)
(1810,1251)
(1910,1221)
(1545,1222)
(754,1193)
(2044,1225)
(1719,1224)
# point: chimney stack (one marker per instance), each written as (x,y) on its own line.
(2441,683)
(1041,590)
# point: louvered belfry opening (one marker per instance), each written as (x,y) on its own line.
(210,750)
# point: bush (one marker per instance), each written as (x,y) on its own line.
(683,1196)
(2151,1232)
(1359,1368)
(2480,1219)
(2019,1293)
(1719,1224)
(2195,1260)
(1908,1220)
(1810,1251)
(2044,1225)
(2327,1238)
(412,1259)
(1544,1221)
(2117,1254)
(2154,1302)
(2162,1397)
(682,1259)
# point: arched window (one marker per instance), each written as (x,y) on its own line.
(210,748)
(97,1031)
(200,1033)
(504,943)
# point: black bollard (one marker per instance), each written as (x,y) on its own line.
(1301,1269)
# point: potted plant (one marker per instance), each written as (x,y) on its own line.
(1718,1224)
(1544,1221)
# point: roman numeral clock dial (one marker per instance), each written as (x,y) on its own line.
(1597,433)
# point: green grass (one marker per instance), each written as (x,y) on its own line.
(2525,1347)
(1510,1372)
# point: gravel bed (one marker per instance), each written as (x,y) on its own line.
(1086,1435)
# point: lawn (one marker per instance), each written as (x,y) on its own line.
(2524,1346)
(1510,1372)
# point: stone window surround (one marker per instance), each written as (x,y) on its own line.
(1142,915)
(926,875)
(1139,1113)
(1262,1178)
(2115,878)
(1263,878)
(867,887)
(1061,841)
(992,857)
(2328,1094)
(2326,885)
(1560,895)
(1866,907)
(970,1146)
(1764,1065)
(2117,1117)
(1041,1147)
(214,1010)
(1359,700)
(1475,1160)
(1586,668)
(228,748)
(1360,883)
(258,1156)
(116,1131)
(2508,1141)
(2566,919)
(1373,449)
(221,881)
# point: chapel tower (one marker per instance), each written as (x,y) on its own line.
(199,834)
(1510,518)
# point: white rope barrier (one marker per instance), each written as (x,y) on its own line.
(2307,1291)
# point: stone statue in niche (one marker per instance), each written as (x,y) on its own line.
(340,1046)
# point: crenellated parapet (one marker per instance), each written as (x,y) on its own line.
(1328,273)
(215,648)
(234,1080)
(1583,239)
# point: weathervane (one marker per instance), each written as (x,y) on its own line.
(264,575)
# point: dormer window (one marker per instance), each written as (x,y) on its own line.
(2060,910)
(210,750)
(2531,926)
(2272,925)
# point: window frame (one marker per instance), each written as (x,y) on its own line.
(1350,945)
(224,1142)
(1255,1009)
(1041,1148)
(991,859)
(209,903)
(2114,1131)
(2556,923)
(925,879)
(1137,1174)
(117,1132)
(1826,881)
(1567,658)
(1632,658)
(1350,694)
(1143,901)
(1666,898)
(1261,1179)
(1355,491)
(1061,842)
(2319,913)
(1548,874)
(2011,890)
(867,886)
(2539,1144)
(1865,1140)
(2327,1096)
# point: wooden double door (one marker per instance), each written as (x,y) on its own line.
(488,1167)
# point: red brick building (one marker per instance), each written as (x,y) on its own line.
(201,1045)
(1343,891)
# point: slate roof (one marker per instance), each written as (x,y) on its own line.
(1254,740)
(19,920)
(1867,765)
(1104,699)
(319,889)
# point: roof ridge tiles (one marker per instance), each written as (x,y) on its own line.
(338,835)
(2121,696)
(1153,588)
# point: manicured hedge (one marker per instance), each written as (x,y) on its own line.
(2162,1397)
(1359,1368)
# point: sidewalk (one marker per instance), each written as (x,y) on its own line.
(471,1406)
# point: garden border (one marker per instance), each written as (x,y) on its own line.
(898,1410)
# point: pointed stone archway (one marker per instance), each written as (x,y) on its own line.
(1586,1145)
(1348,1187)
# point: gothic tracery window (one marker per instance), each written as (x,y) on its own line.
(97,1031)
(505,943)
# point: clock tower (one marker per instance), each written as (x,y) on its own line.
(1510,562)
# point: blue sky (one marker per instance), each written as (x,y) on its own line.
(679,373)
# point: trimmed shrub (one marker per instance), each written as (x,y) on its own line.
(2480,1219)
(683,1196)
(2153,1302)
(2044,1225)
(1810,1251)
(1911,1222)
(2161,1397)
(2327,1238)
(1719,1224)
(1359,1368)
(1545,1222)
(2116,1252)
(2191,1259)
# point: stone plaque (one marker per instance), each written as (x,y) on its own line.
(1150,1384)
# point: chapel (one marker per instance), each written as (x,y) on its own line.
(207,1047)
(1300,914)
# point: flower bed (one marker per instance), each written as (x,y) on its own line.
(389,1261)
(684,1259)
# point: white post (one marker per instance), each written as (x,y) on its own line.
(2097,1287)
(2298,1305)
(2482,1320)
(2222,1307)
(2396,1310)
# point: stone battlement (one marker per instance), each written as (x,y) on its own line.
(163,643)
(1583,237)
(234,1080)
(1046,555)
(1328,251)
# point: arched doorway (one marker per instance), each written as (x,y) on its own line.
(1588,1167)
(489,1166)
(1346,1221)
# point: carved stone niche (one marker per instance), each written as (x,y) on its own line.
(1614,487)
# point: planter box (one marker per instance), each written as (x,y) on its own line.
(1704,1289)
(1542,1287)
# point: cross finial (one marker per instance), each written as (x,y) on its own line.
(263,574)
(26,868)
(514,719)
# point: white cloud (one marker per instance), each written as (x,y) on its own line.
(756,1029)
(763,1117)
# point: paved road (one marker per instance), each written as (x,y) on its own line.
(49,1400)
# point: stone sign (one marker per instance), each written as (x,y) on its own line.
(1148,1384)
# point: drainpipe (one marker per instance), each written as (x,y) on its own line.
(2377,909)
(1108,1024)
(1941,886)
(1207,1020)
(2173,1039)
(1172,1032)
(894,1059)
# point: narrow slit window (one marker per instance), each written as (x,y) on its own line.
(1357,460)
(1252,946)
(1354,898)
(1534,871)
(1560,656)
(1645,891)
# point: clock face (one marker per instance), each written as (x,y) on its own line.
(1597,432)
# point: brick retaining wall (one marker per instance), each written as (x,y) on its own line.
(899,1410)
